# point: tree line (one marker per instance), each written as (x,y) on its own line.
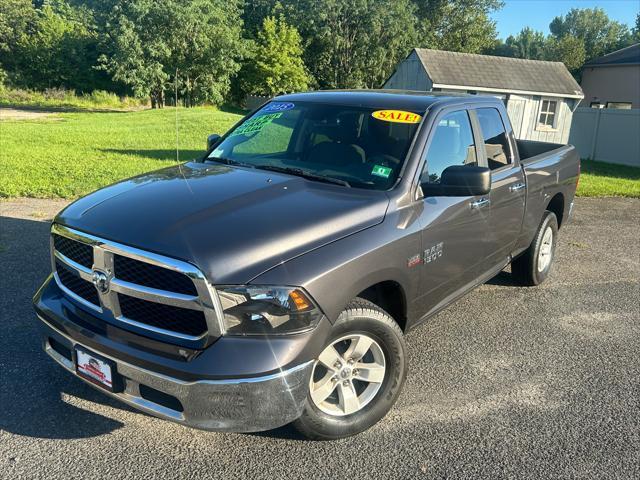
(217,50)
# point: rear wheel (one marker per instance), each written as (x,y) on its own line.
(533,266)
(357,377)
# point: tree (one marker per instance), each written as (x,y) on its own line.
(17,20)
(58,51)
(568,50)
(155,44)
(598,33)
(276,66)
(457,25)
(527,44)
(636,29)
(354,43)
(255,12)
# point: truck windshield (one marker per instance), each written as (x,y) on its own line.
(351,146)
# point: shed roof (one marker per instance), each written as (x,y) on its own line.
(625,56)
(486,72)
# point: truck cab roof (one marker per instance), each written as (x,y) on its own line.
(392,99)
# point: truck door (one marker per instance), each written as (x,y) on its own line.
(508,187)
(454,229)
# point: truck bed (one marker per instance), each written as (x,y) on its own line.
(551,171)
(529,149)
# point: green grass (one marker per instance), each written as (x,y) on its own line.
(72,154)
(599,179)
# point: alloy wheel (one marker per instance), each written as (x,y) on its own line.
(546,250)
(347,375)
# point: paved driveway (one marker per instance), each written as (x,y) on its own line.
(508,382)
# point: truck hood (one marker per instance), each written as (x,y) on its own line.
(232,223)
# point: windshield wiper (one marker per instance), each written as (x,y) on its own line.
(301,173)
(229,161)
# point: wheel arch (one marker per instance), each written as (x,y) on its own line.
(391,297)
(556,206)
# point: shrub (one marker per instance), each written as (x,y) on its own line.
(62,98)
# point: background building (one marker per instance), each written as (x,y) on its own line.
(613,80)
(540,96)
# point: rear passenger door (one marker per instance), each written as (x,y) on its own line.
(508,188)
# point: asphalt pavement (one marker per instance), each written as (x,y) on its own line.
(508,382)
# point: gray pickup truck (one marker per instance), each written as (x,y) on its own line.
(273,280)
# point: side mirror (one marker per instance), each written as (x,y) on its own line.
(212,140)
(460,181)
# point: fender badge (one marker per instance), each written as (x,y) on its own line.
(414,261)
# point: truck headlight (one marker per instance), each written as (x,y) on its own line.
(267,310)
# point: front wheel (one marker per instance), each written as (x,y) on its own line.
(357,377)
(533,266)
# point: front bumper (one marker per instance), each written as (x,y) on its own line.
(238,405)
(239,384)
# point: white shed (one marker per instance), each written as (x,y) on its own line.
(540,96)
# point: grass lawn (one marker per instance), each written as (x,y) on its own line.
(599,179)
(71,154)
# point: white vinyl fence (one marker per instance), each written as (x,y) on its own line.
(607,135)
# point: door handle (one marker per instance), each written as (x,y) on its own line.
(483,202)
(517,187)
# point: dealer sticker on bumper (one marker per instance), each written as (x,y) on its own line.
(94,369)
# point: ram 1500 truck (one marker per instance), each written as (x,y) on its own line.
(272,280)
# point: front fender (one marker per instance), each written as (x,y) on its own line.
(336,273)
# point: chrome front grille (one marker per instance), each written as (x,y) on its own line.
(165,296)
(81,253)
(148,275)
(72,281)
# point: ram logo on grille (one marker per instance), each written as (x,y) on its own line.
(101,281)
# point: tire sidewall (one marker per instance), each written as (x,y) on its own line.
(549,221)
(374,325)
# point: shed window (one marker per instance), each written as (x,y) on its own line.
(547,117)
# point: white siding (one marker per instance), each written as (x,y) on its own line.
(516,109)
(410,75)
(523,110)
(529,129)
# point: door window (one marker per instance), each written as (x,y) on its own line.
(452,144)
(496,142)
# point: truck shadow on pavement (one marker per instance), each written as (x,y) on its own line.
(503,279)
(37,397)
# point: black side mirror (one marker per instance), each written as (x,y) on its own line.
(460,181)
(212,140)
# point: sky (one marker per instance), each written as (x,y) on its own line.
(537,14)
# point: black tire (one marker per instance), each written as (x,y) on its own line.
(525,269)
(364,318)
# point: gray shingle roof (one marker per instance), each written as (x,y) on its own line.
(624,56)
(499,73)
